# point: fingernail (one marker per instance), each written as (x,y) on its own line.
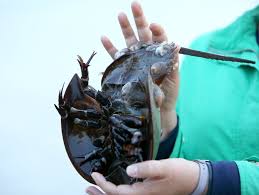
(122,15)
(132,170)
(103,38)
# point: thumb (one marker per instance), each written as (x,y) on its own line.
(147,169)
(92,190)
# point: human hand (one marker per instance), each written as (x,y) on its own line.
(150,33)
(170,176)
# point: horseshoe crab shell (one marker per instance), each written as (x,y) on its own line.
(129,83)
(134,66)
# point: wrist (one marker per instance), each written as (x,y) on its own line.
(168,122)
(191,177)
(204,177)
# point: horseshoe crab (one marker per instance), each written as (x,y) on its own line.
(107,130)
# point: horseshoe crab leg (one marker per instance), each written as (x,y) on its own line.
(88,113)
(102,98)
(118,122)
(90,156)
(100,155)
(124,130)
(119,139)
(87,123)
(130,121)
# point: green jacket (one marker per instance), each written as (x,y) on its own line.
(218,102)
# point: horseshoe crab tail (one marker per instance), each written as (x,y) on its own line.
(202,54)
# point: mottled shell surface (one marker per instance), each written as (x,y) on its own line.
(134,65)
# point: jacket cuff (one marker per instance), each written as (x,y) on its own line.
(225,178)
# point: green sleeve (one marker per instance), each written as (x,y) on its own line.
(249,177)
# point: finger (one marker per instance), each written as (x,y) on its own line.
(108,46)
(106,186)
(93,191)
(128,33)
(111,189)
(158,33)
(138,188)
(152,168)
(144,32)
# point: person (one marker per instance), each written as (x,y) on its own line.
(218,109)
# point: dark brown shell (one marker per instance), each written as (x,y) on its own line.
(132,67)
(77,141)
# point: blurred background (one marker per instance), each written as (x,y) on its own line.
(39,41)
